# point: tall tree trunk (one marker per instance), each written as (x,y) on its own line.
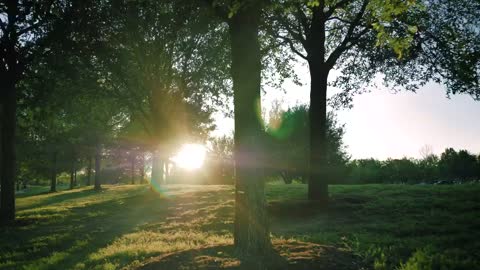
(157,170)
(7,181)
(89,171)
(72,174)
(251,233)
(98,156)
(319,69)
(75,173)
(319,169)
(133,170)
(142,170)
(53,177)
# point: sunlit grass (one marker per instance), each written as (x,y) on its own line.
(123,226)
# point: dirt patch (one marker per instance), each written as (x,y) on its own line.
(288,255)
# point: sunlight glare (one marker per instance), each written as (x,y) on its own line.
(190,156)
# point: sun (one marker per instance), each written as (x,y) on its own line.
(191,156)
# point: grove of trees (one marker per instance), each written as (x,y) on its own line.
(112,87)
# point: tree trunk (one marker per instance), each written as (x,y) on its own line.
(53,179)
(142,170)
(133,170)
(98,156)
(318,170)
(89,171)
(75,173)
(72,176)
(7,181)
(157,171)
(251,233)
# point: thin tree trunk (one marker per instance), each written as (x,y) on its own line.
(133,170)
(98,156)
(157,171)
(7,181)
(53,177)
(319,169)
(72,174)
(75,173)
(142,170)
(251,233)
(89,171)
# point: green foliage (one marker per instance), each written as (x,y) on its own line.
(461,164)
(452,165)
(287,145)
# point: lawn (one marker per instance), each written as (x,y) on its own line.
(131,227)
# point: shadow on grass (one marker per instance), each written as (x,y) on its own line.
(58,197)
(291,255)
(66,239)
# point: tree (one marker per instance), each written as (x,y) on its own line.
(166,75)
(25,30)
(408,42)
(457,165)
(289,145)
(251,233)
(222,151)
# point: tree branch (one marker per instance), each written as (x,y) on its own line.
(339,4)
(292,46)
(332,59)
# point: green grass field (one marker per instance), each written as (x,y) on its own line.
(131,227)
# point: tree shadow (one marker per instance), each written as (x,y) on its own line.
(66,240)
(58,197)
(285,255)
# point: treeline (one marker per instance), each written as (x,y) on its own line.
(452,166)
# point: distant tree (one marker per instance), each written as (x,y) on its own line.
(428,166)
(457,165)
(467,165)
(426,151)
(447,163)
(221,155)
(478,167)
(366,171)
(401,171)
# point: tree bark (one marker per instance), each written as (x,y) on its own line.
(251,233)
(318,172)
(7,181)
(53,177)
(319,70)
(89,171)
(98,156)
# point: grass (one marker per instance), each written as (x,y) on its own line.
(125,227)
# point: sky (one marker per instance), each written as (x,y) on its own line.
(384,125)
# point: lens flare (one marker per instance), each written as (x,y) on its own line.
(190,156)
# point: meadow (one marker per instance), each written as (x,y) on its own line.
(190,227)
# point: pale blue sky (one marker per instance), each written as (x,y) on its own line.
(382,124)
